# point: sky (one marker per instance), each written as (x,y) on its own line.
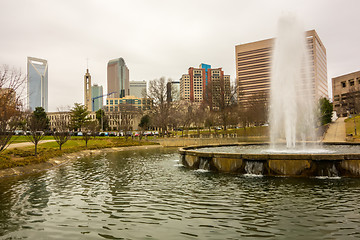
(160,38)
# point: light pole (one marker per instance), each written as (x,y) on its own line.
(355,124)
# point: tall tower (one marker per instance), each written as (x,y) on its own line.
(97,91)
(37,83)
(118,78)
(87,90)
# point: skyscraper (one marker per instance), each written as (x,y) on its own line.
(138,88)
(205,84)
(118,78)
(253,67)
(37,83)
(97,91)
(87,90)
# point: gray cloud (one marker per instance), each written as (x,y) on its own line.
(159,38)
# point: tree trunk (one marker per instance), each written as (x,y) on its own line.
(35,148)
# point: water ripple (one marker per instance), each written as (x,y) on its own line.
(138,195)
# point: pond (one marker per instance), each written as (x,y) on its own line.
(147,194)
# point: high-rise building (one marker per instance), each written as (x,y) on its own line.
(253,67)
(138,88)
(175,87)
(87,91)
(97,92)
(185,87)
(218,88)
(204,85)
(346,94)
(37,83)
(206,67)
(118,78)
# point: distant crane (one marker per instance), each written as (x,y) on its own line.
(93,108)
(93,99)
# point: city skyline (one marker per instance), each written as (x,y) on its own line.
(159,38)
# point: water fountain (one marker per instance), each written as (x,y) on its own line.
(292,124)
(291,99)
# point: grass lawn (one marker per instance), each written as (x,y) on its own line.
(350,126)
(25,155)
(22,138)
(252,131)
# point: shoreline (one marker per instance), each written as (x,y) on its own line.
(65,158)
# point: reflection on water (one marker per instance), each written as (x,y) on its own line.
(148,195)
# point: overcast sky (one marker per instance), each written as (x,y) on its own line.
(160,38)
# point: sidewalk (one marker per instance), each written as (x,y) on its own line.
(336,131)
(26,144)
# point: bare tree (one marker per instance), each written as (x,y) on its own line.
(62,126)
(158,92)
(35,125)
(257,109)
(127,114)
(352,99)
(11,86)
(223,95)
(89,130)
(123,117)
(198,116)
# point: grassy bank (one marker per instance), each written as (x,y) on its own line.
(350,127)
(22,138)
(25,155)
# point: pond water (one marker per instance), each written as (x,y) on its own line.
(146,194)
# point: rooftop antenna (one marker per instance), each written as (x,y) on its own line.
(87,63)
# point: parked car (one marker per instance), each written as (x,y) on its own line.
(147,133)
(19,132)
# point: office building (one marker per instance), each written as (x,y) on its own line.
(37,83)
(97,97)
(219,88)
(118,78)
(346,94)
(253,67)
(57,119)
(204,85)
(185,87)
(87,91)
(113,104)
(138,88)
(175,90)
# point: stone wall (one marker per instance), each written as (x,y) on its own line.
(294,165)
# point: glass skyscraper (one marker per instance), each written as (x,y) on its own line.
(97,91)
(118,78)
(37,83)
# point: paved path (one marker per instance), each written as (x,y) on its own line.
(336,131)
(26,144)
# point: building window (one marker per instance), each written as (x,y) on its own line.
(351,82)
(116,102)
(111,102)
(343,84)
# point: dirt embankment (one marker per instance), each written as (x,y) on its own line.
(54,162)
